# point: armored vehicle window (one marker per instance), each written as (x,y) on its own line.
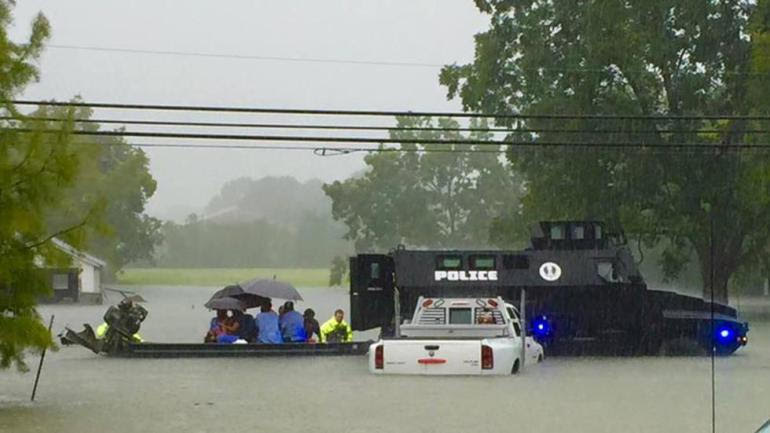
(375,271)
(460,316)
(578,232)
(449,262)
(597,231)
(482,262)
(557,232)
(512,261)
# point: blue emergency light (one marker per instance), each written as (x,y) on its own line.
(540,326)
(724,335)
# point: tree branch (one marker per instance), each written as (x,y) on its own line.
(40,172)
(63,231)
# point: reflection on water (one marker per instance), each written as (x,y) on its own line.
(83,392)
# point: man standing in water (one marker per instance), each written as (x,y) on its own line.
(336,330)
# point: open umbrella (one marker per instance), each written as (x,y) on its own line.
(225,303)
(249,300)
(271,289)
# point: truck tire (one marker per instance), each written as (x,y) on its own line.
(540,358)
(516,367)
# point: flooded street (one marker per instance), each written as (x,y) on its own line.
(82,392)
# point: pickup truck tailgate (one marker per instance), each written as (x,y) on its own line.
(404,356)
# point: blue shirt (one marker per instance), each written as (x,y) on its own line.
(293,327)
(267,323)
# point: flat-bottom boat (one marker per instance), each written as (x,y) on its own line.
(215,350)
(86,338)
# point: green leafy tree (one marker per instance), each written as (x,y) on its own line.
(34,169)
(54,183)
(338,271)
(126,180)
(440,195)
(114,172)
(660,57)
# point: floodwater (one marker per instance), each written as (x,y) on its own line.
(83,392)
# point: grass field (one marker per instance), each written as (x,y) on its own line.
(299,277)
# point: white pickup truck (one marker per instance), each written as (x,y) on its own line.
(456,336)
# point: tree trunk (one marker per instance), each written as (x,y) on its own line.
(721,277)
(724,253)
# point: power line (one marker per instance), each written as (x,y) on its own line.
(323,112)
(603,70)
(400,141)
(250,57)
(315,149)
(261,125)
(334,151)
(378,128)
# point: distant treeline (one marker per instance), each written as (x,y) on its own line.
(269,222)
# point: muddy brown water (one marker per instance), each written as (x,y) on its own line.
(83,392)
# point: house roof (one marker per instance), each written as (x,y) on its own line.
(74,252)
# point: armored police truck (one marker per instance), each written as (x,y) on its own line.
(584,293)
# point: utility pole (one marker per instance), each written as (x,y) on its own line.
(523,319)
(397,312)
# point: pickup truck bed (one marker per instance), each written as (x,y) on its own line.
(442,356)
(460,336)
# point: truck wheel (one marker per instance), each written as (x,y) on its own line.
(515,369)
(540,358)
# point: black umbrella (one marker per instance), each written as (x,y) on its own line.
(249,300)
(271,289)
(225,303)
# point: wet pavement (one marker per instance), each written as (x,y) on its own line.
(83,392)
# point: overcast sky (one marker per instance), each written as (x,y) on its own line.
(420,31)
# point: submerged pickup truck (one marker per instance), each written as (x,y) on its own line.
(456,336)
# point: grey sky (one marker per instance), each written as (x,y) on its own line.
(423,31)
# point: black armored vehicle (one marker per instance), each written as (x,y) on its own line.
(584,293)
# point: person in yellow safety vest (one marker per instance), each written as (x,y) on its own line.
(336,330)
(101,331)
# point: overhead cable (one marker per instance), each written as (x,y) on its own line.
(328,112)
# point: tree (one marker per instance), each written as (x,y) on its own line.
(280,200)
(338,271)
(652,58)
(33,170)
(111,170)
(271,221)
(439,195)
(54,183)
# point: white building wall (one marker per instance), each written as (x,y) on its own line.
(88,279)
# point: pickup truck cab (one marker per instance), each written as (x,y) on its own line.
(456,336)
(535,352)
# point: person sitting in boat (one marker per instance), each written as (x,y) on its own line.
(292,324)
(336,330)
(248,328)
(311,326)
(267,325)
(223,328)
